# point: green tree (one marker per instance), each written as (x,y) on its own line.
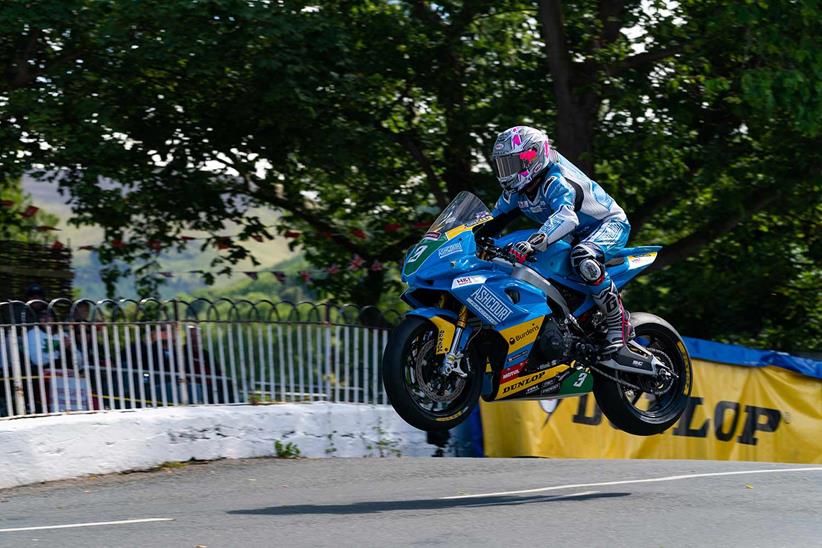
(20,219)
(360,119)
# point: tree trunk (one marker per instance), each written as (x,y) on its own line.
(576,106)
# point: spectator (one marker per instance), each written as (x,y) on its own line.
(44,350)
(36,298)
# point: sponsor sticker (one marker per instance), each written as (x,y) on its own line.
(450,249)
(550,386)
(517,385)
(641,260)
(431,236)
(467,280)
(511,372)
(488,305)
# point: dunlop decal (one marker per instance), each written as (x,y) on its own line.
(518,385)
(445,334)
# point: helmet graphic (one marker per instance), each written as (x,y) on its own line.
(519,155)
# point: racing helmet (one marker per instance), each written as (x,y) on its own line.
(520,154)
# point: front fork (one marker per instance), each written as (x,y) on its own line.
(453,359)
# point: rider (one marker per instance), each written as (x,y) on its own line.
(540,183)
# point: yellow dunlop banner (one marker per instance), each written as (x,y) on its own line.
(734,413)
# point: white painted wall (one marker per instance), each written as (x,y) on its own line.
(50,448)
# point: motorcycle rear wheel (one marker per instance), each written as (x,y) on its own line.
(655,413)
(420,395)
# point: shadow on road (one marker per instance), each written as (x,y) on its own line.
(419,504)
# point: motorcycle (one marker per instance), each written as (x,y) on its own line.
(482,325)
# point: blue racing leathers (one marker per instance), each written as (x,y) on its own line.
(568,203)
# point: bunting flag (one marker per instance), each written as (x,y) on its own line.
(359,233)
(332,270)
(376,266)
(7,203)
(305,275)
(167,274)
(45,228)
(57,246)
(87,247)
(30,211)
(291,234)
(155,245)
(252,275)
(356,263)
(117,243)
(280,276)
(392,227)
(257,237)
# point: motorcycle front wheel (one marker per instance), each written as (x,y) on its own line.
(625,406)
(416,388)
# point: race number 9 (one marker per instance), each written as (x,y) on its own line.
(416,253)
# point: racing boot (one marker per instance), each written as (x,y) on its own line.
(615,353)
(616,320)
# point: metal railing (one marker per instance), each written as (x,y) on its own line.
(64,356)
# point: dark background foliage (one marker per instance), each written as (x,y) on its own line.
(700,117)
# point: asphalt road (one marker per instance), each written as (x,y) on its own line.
(401,502)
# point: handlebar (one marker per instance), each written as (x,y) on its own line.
(489,250)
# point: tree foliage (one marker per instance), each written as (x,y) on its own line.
(359,119)
(20,219)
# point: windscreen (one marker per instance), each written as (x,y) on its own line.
(466,209)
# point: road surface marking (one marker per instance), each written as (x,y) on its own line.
(625,482)
(93,524)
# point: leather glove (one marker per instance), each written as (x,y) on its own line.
(521,251)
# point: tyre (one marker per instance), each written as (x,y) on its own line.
(624,406)
(423,397)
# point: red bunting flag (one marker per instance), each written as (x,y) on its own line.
(30,211)
(392,227)
(117,243)
(291,234)
(187,238)
(222,242)
(333,269)
(195,271)
(280,276)
(155,245)
(305,275)
(356,263)
(87,247)
(45,228)
(359,233)
(252,275)
(422,224)
(257,237)
(6,203)
(376,266)
(57,246)
(167,274)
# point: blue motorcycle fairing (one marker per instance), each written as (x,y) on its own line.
(515,309)
(431,311)
(555,265)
